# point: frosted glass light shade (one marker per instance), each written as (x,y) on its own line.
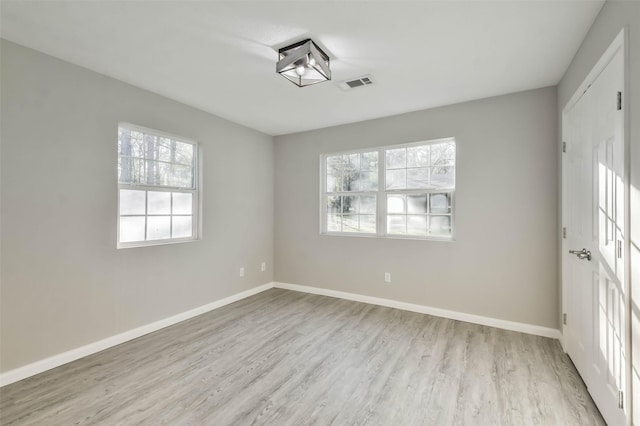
(303,63)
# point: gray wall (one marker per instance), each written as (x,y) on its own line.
(64,283)
(614,16)
(504,262)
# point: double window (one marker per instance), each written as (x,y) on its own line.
(157,187)
(399,191)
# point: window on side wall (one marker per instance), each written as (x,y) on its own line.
(157,187)
(400,191)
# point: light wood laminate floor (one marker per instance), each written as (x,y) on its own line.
(288,358)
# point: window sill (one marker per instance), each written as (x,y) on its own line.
(389,237)
(155,243)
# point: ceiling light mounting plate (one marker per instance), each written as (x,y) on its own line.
(303,63)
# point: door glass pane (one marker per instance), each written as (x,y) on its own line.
(182,203)
(182,227)
(396,224)
(158,227)
(417,204)
(132,202)
(131,229)
(440,225)
(416,225)
(158,202)
(396,204)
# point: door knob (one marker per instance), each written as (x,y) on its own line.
(582,254)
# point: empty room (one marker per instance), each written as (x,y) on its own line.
(320,212)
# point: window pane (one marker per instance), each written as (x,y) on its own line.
(158,202)
(443,154)
(351,173)
(350,204)
(368,204)
(396,225)
(131,229)
(396,179)
(369,161)
(442,177)
(350,223)
(440,203)
(396,204)
(182,227)
(416,225)
(158,227)
(334,205)
(182,203)
(368,223)
(417,204)
(418,178)
(184,153)
(418,156)
(164,149)
(334,223)
(334,165)
(181,176)
(137,144)
(396,158)
(132,202)
(334,183)
(440,225)
(131,170)
(369,181)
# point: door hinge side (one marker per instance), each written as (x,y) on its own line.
(564,319)
(564,147)
(619,101)
(620,399)
(564,232)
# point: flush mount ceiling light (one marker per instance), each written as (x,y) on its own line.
(303,63)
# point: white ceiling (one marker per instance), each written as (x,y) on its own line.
(220,56)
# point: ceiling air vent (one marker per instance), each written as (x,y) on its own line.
(356,82)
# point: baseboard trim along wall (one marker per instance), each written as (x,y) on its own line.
(43,365)
(444,313)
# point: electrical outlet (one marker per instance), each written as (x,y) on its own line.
(263,266)
(242,272)
(387,277)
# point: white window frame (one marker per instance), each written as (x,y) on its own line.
(195,193)
(382,192)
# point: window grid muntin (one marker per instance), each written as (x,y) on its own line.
(381,215)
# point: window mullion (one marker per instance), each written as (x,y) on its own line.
(382,201)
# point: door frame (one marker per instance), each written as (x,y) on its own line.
(620,43)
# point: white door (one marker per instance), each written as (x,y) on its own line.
(594,217)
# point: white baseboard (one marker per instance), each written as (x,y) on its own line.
(460,316)
(37,367)
(43,365)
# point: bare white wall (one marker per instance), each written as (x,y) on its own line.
(63,282)
(504,263)
(614,16)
